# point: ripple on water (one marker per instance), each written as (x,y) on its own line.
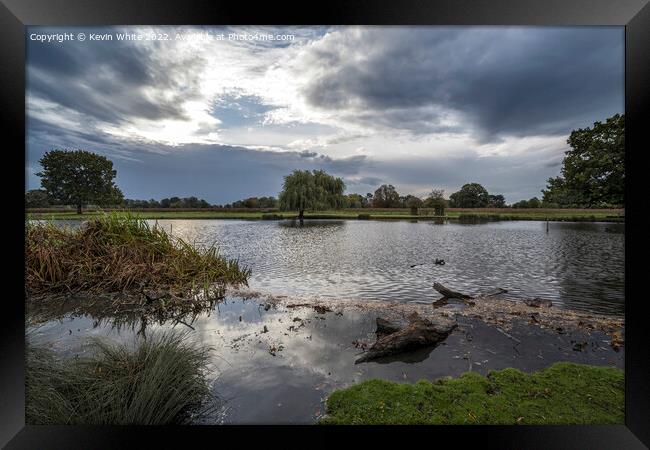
(578,265)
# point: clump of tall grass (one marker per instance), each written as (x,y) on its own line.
(120,253)
(161,380)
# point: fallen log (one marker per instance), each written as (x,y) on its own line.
(448,293)
(418,333)
(384,327)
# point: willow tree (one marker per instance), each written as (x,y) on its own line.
(316,190)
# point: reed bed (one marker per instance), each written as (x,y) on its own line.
(122,253)
(157,381)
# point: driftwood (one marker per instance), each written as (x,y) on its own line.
(392,340)
(384,327)
(448,293)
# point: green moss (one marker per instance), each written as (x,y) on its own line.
(564,393)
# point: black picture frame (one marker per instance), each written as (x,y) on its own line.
(633,14)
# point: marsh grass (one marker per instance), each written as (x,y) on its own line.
(121,253)
(160,380)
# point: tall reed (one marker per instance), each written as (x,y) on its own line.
(119,253)
(160,380)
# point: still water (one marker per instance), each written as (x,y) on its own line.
(576,265)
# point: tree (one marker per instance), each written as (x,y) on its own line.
(355,201)
(471,195)
(532,203)
(37,198)
(79,177)
(386,197)
(414,203)
(436,200)
(593,170)
(316,190)
(496,201)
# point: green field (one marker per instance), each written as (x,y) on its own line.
(564,393)
(478,214)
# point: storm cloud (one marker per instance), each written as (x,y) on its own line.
(111,81)
(498,80)
(513,81)
(416,107)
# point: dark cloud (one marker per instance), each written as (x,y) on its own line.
(218,173)
(105,81)
(501,81)
(497,81)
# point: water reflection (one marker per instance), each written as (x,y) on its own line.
(276,365)
(126,315)
(311,223)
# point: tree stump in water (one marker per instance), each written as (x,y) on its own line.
(392,340)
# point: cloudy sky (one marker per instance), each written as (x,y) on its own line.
(417,107)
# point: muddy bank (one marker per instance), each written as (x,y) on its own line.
(275,359)
(497,310)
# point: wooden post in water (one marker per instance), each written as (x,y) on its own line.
(547,224)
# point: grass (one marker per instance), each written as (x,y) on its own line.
(161,380)
(564,393)
(120,253)
(608,215)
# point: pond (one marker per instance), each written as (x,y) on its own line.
(277,365)
(576,265)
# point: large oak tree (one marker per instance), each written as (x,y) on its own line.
(386,197)
(471,195)
(79,177)
(593,170)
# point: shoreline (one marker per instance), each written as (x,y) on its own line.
(588,216)
(276,359)
(501,312)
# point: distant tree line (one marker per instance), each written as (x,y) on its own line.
(471,195)
(255,202)
(172,202)
(532,203)
(39,198)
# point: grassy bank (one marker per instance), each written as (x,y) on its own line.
(159,381)
(589,215)
(121,253)
(564,393)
